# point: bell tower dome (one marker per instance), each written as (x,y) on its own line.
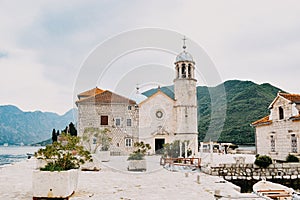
(186,99)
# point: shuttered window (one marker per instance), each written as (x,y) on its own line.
(104,120)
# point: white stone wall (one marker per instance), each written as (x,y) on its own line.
(152,127)
(281,130)
(185,92)
(285,104)
(186,111)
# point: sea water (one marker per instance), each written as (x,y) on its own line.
(13,154)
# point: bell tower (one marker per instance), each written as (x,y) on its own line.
(186,100)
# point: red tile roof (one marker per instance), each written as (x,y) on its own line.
(106,97)
(294,118)
(263,121)
(294,98)
(91,92)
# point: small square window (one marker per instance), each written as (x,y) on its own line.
(118,122)
(128,122)
(128,142)
(104,120)
(129,107)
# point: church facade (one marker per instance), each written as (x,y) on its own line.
(161,118)
(277,134)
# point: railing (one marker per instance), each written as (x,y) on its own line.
(181,161)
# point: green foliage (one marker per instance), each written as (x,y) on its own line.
(292,158)
(71,129)
(172,150)
(54,136)
(63,155)
(140,151)
(93,138)
(263,161)
(136,156)
(246,103)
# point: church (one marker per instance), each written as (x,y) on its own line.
(158,119)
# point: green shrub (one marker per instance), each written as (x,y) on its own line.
(64,155)
(263,161)
(140,151)
(136,156)
(292,158)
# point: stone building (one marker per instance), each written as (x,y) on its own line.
(277,134)
(105,109)
(157,120)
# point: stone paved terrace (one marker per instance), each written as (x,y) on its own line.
(114,182)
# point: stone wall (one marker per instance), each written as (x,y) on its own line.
(251,171)
(89,115)
(153,126)
(281,130)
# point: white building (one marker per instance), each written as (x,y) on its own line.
(157,120)
(277,134)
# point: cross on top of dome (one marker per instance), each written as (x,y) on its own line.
(184,55)
(184,39)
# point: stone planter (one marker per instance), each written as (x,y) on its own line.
(54,184)
(91,166)
(40,163)
(137,165)
(103,156)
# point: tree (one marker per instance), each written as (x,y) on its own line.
(70,129)
(263,161)
(54,136)
(292,158)
(140,151)
(93,138)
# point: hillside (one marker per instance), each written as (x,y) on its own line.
(17,126)
(244,102)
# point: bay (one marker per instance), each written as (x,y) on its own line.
(13,154)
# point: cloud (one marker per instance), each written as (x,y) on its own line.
(48,40)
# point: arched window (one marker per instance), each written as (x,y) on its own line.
(281,115)
(183,71)
(294,143)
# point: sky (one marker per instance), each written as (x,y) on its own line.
(44,45)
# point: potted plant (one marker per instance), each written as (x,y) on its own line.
(58,177)
(136,159)
(97,141)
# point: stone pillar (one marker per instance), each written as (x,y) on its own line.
(186,71)
(185,149)
(201,149)
(211,145)
(180,149)
(180,71)
(192,72)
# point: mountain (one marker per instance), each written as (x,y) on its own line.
(226,111)
(17,126)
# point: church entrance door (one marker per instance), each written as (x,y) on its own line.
(159,146)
